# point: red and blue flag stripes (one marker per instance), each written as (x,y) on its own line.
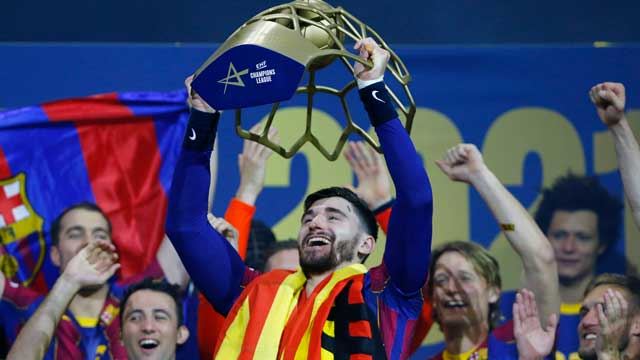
(117,150)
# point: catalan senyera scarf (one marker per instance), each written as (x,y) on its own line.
(332,323)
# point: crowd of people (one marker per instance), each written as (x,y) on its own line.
(312,297)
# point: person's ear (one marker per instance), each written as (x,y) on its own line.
(494,294)
(55,256)
(183,335)
(367,245)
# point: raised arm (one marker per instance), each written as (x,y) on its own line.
(92,266)
(609,100)
(464,163)
(252,165)
(212,263)
(408,246)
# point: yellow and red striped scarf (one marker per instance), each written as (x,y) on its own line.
(255,325)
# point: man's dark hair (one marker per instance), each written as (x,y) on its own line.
(276,247)
(161,286)
(365,215)
(483,263)
(89,206)
(573,193)
(629,283)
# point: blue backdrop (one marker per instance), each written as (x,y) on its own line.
(526,107)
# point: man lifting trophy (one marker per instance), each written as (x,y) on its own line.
(265,60)
(331,306)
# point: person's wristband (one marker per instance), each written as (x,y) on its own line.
(201,130)
(378,103)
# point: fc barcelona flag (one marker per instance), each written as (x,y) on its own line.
(117,150)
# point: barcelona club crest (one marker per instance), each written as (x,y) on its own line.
(22,245)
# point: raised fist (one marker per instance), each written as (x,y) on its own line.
(462,162)
(609,99)
(194,100)
(370,50)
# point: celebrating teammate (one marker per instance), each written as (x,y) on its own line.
(464,284)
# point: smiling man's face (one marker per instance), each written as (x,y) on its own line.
(150,328)
(331,236)
(461,296)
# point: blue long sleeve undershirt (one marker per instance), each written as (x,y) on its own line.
(213,264)
(408,248)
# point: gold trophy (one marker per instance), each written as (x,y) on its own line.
(264,61)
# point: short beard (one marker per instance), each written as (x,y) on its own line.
(318,265)
(329,262)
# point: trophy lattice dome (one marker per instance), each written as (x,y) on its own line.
(328,28)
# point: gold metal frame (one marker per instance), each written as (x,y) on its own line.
(338,24)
